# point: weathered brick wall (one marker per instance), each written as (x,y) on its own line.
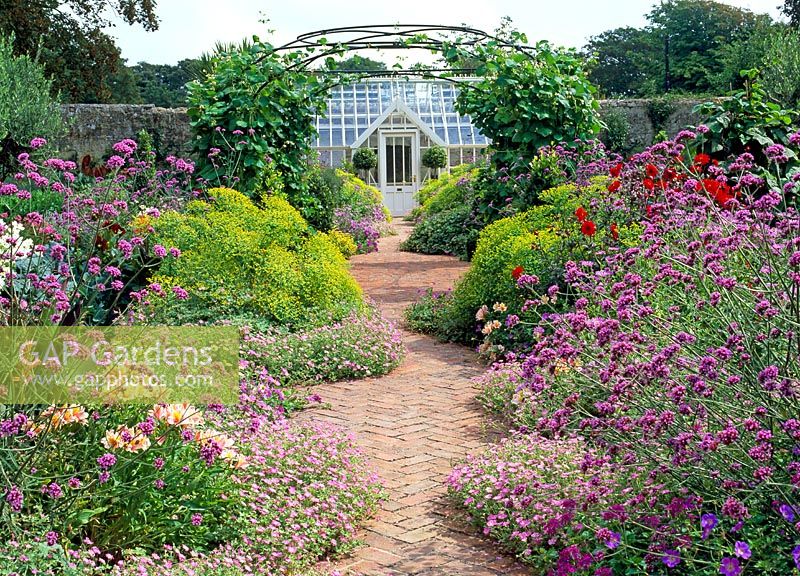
(95,127)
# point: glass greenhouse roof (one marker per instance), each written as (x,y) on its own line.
(353,109)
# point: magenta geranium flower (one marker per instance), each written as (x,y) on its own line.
(742,550)
(708,522)
(671,558)
(730,567)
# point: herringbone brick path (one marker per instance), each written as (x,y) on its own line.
(414,424)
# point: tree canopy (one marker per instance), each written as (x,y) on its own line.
(678,51)
(791,9)
(625,58)
(163,84)
(359,63)
(68,38)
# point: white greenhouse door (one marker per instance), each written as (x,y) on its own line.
(400,166)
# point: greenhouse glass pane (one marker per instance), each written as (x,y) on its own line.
(374,101)
(386,96)
(436,100)
(356,107)
(361,105)
(410,95)
(452,135)
(455,156)
(336,123)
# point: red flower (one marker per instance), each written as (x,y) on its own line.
(616,170)
(670,174)
(517,272)
(100,243)
(588,228)
(581,214)
(649,183)
(711,186)
(614,186)
(722,194)
(722,198)
(651,171)
(719,191)
(114,227)
(614,231)
(702,159)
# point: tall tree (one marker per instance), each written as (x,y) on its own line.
(163,84)
(692,32)
(359,63)
(626,62)
(124,89)
(791,9)
(68,37)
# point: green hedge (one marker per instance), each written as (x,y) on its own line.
(540,240)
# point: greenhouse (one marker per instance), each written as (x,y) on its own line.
(399,119)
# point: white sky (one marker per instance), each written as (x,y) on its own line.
(190,27)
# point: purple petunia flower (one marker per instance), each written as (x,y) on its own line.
(796,556)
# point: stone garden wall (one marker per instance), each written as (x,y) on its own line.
(646,118)
(95,127)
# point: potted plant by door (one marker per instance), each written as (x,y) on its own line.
(435,158)
(364,160)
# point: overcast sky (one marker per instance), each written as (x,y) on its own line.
(190,27)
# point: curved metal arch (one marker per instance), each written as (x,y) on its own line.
(390,37)
(431,37)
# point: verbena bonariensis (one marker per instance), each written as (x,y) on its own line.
(680,355)
(79,261)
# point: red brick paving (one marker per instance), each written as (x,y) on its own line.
(414,424)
